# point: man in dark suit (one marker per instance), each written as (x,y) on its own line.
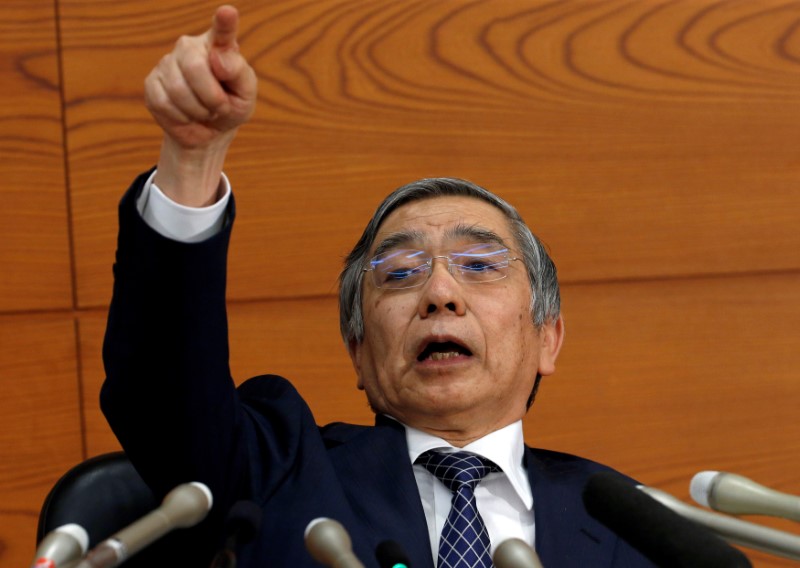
(450,311)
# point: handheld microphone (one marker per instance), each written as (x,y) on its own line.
(732,529)
(328,542)
(183,507)
(515,553)
(391,555)
(737,495)
(660,534)
(61,546)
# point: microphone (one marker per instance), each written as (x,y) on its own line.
(328,542)
(515,553)
(660,534)
(62,546)
(183,507)
(732,529)
(737,495)
(241,526)
(391,555)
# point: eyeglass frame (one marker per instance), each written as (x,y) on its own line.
(450,264)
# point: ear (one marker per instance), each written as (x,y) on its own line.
(354,350)
(552,337)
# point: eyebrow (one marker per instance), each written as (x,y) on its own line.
(472,232)
(398,239)
(475,233)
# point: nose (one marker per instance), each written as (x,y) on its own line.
(442,293)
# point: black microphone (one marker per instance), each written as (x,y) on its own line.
(391,555)
(241,526)
(732,529)
(660,534)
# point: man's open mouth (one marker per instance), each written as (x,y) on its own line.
(442,350)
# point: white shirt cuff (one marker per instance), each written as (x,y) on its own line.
(179,222)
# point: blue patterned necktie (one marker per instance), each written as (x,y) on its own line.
(465,541)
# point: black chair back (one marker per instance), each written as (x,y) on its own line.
(105,494)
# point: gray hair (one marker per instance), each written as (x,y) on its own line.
(545,295)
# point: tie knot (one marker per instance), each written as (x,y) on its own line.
(457,469)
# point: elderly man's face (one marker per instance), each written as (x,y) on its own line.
(455,359)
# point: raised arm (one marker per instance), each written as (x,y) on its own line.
(168,395)
(166,345)
(200,93)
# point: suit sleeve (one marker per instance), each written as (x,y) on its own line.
(168,394)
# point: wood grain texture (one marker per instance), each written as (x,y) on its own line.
(665,379)
(652,144)
(40,436)
(640,139)
(34,241)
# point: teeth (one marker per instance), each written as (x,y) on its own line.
(439,356)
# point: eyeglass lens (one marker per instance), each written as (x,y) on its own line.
(406,268)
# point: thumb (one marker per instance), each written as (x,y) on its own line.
(224,27)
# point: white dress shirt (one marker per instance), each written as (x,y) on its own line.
(178,222)
(504,499)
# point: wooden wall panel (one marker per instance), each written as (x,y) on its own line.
(40,437)
(34,245)
(655,377)
(673,122)
(651,144)
(667,378)
(678,376)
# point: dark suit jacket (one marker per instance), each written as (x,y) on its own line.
(171,402)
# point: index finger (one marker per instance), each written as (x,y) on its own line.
(224,27)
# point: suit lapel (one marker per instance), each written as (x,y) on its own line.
(565,534)
(391,507)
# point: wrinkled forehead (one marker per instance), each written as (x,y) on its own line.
(442,222)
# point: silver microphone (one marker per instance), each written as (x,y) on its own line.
(61,547)
(328,542)
(183,507)
(732,529)
(515,553)
(737,495)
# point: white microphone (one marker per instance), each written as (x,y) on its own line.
(515,553)
(61,547)
(328,542)
(737,495)
(732,529)
(183,507)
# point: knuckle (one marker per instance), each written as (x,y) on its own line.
(184,42)
(194,65)
(155,100)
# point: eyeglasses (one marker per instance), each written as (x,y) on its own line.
(397,269)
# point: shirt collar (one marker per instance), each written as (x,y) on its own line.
(505,447)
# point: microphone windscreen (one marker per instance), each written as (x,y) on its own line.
(391,555)
(700,487)
(659,533)
(186,505)
(515,553)
(328,543)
